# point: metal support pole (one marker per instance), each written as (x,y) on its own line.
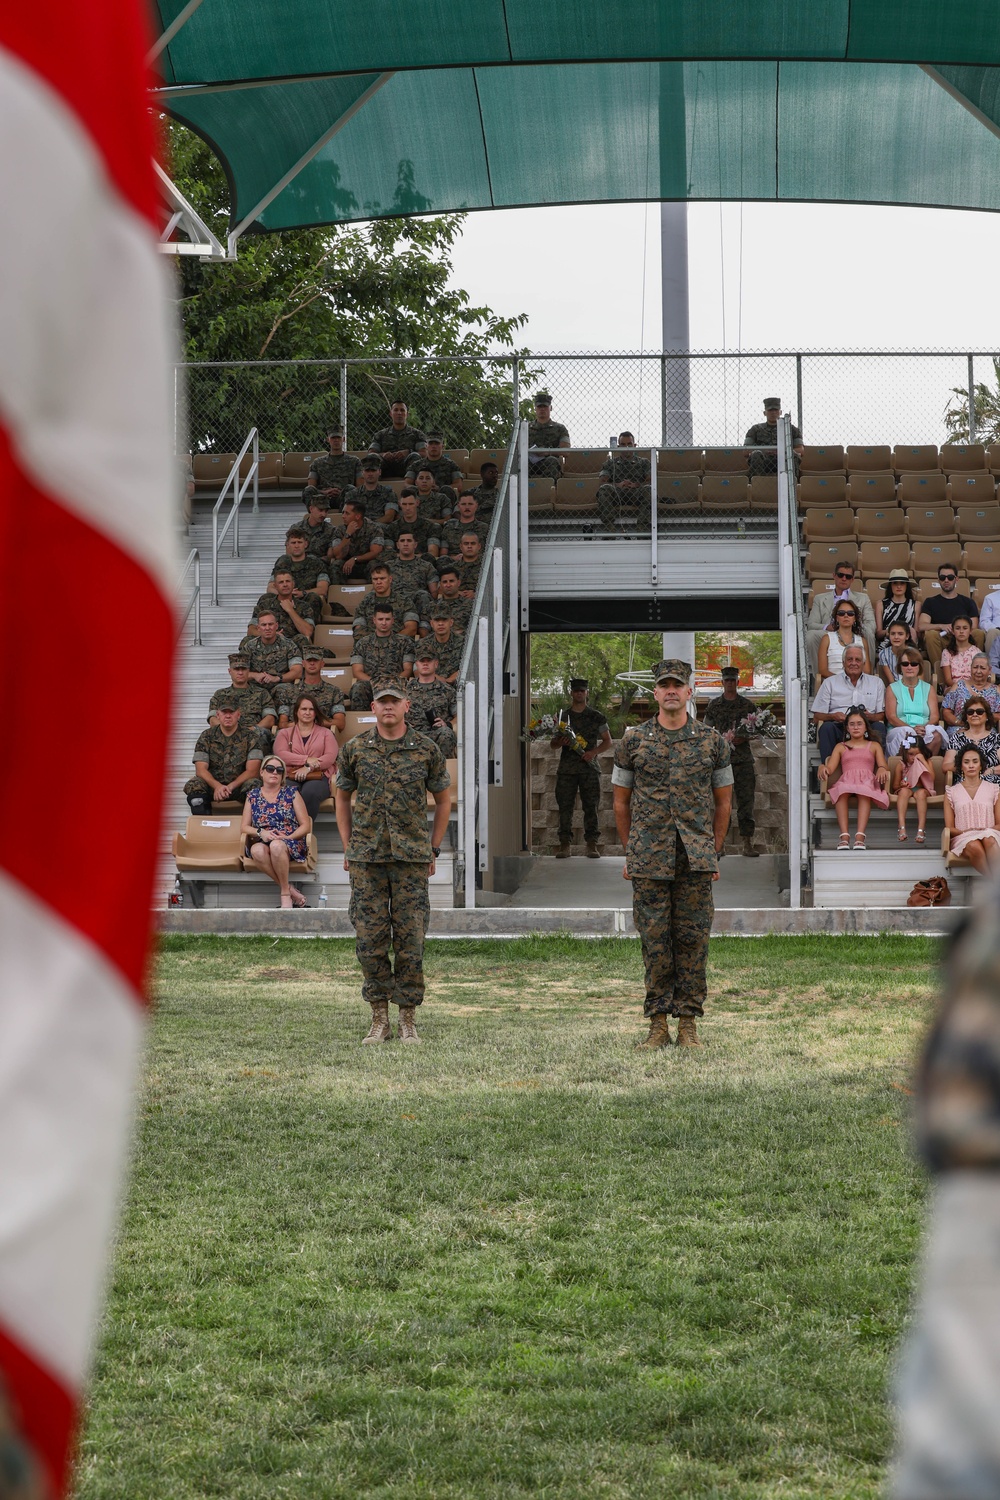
(676,323)
(483,748)
(197,599)
(798,392)
(497,694)
(516,388)
(522,465)
(215,557)
(343,400)
(256,472)
(653,520)
(972,398)
(663,402)
(513,528)
(469,791)
(790,664)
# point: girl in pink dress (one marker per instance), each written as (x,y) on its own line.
(972,812)
(912,777)
(863,774)
(959,653)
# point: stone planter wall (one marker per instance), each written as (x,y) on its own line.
(770,806)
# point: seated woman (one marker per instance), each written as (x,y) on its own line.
(911,707)
(844,630)
(976,726)
(309,750)
(275,818)
(980,682)
(960,651)
(897,603)
(896,641)
(972,811)
(863,774)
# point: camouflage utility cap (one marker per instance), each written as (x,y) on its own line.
(392,688)
(228,704)
(730,672)
(237,659)
(426,651)
(772,403)
(579,684)
(673,667)
(313,653)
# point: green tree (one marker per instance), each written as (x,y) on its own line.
(378,291)
(985,404)
(600,658)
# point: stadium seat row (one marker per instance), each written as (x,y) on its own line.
(918,524)
(952,458)
(290,470)
(923,588)
(882,489)
(877,559)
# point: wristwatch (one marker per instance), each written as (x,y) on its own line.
(435,851)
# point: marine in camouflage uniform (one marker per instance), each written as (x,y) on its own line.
(468,574)
(309,607)
(460,609)
(397,440)
(765,434)
(435,506)
(381,656)
(328,696)
(545,434)
(486,497)
(307,573)
(376,501)
(447,474)
(317,535)
(626,484)
(670,777)
(368,535)
(426,533)
(255,703)
(724,714)
(574,775)
(432,700)
(332,471)
(274,658)
(227,757)
(415,576)
(388,851)
(449,652)
(453,531)
(403,611)
(948,1390)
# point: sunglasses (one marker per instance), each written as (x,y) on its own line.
(845,614)
(947,577)
(276,769)
(843,575)
(909,664)
(975,713)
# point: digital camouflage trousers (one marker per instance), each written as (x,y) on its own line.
(674,922)
(744,792)
(390,908)
(583,777)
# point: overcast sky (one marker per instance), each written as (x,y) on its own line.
(810,276)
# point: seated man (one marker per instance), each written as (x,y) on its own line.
(432,702)
(331,476)
(823,605)
(447,475)
(354,545)
(625,491)
(435,504)
(426,532)
(273,657)
(226,759)
(378,656)
(257,707)
(297,618)
(980,683)
(329,698)
(544,433)
(765,435)
(851,688)
(470,563)
(450,594)
(487,491)
(466,519)
(938,611)
(405,614)
(377,499)
(416,576)
(317,528)
(449,643)
(309,572)
(397,442)
(989,619)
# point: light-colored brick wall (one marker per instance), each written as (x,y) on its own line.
(770,804)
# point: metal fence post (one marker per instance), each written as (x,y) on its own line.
(496,686)
(471,853)
(515,375)
(343,399)
(513,534)
(522,467)
(197,599)
(663,400)
(972,398)
(798,392)
(654,572)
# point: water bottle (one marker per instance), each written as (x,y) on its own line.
(176,896)
(323,899)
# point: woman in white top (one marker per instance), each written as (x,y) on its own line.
(844,631)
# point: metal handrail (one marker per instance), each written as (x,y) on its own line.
(233,519)
(795,666)
(194,603)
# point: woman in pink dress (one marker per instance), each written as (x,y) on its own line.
(863,774)
(972,812)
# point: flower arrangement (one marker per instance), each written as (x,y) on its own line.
(549,726)
(761,724)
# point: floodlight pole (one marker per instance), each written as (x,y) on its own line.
(676,396)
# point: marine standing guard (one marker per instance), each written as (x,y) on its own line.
(577,772)
(724,714)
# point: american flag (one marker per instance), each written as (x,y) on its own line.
(86,556)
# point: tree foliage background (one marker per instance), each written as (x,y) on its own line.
(985,404)
(377,291)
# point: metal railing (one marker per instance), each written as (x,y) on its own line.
(795,668)
(194,603)
(488,674)
(233,519)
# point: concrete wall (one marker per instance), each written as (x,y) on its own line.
(506,809)
(770,807)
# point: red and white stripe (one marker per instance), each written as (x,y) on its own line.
(86,555)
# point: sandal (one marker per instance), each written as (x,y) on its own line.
(286,901)
(297,897)
(845,841)
(921,835)
(901,836)
(860,841)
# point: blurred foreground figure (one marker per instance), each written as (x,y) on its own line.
(949,1386)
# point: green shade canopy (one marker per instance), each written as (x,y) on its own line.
(326,113)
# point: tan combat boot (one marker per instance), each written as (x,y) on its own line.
(406,1030)
(380,1030)
(563,851)
(592,850)
(659,1032)
(687,1032)
(748,848)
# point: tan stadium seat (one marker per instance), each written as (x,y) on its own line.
(963,458)
(828,460)
(818,588)
(584,460)
(577,495)
(295,866)
(211,842)
(211,470)
(868,460)
(982,559)
(339,676)
(480,456)
(930,525)
(937,769)
(978,523)
(835,525)
(916,460)
(295,468)
(458,456)
(678,489)
(541,493)
(396,485)
(348,596)
(679,461)
(982,587)
(922,489)
(354,724)
(336,638)
(725,461)
(927,557)
(993,458)
(818,489)
(880,525)
(973,489)
(452,768)
(872,489)
(268,470)
(877,559)
(725,492)
(764,492)
(823,557)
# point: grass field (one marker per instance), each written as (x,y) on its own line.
(522,1259)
